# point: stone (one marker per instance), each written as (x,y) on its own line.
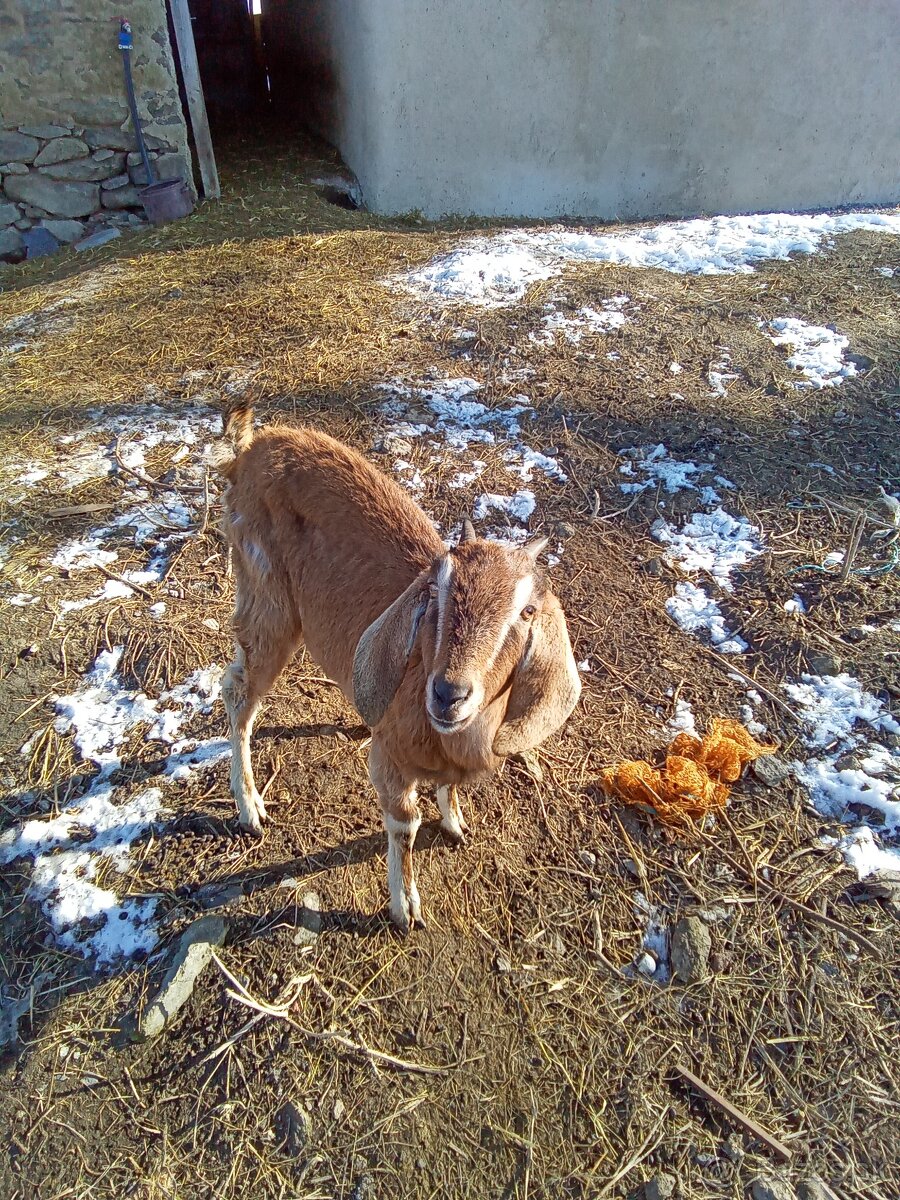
(690,949)
(24,223)
(38,242)
(61,150)
(18,147)
(652,566)
(660,1187)
(117,181)
(192,956)
(64,231)
(771,1188)
(9,214)
(100,238)
(58,198)
(293,1129)
(11,244)
(109,137)
(103,155)
(45,132)
(123,197)
(14,168)
(134,158)
(309,920)
(80,168)
(813,1188)
(166,166)
(363,1189)
(565,530)
(771,770)
(824,664)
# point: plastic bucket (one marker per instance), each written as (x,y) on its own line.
(166,201)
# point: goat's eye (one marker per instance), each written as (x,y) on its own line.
(528,612)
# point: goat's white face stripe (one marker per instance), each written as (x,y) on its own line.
(443,580)
(522,594)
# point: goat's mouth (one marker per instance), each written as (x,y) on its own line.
(450,724)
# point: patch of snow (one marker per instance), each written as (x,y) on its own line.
(714,542)
(719,375)
(660,470)
(683,720)
(585,320)
(795,605)
(887,272)
(519,506)
(818,352)
(697,612)
(496,270)
(851,772)
(21,599)
(69,849)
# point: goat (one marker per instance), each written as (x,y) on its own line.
(455,657)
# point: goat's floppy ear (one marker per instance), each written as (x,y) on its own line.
(383,652)
(545,686)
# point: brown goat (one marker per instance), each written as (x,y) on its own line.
(454,657)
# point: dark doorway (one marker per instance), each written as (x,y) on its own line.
(231,55)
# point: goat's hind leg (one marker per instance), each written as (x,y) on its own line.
(244,685)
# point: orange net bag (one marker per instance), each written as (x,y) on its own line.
(693,781)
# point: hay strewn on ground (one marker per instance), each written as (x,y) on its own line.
(550,1061)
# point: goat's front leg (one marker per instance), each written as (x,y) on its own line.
(453,822)
(401,820)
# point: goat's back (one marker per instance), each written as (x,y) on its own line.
(317,530)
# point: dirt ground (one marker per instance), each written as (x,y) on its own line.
(533,1061)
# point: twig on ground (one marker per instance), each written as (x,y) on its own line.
(136,587)
(781,1152)
(153,483)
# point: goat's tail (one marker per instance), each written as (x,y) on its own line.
(237,431)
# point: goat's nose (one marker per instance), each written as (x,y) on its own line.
(449,692)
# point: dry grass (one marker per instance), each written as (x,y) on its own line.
(548,1063)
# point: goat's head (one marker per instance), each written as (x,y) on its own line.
(484,619)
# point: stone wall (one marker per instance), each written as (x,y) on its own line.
(69,165)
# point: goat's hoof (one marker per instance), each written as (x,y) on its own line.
(252,813)
(456,834)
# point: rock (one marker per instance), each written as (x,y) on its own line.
(166,166)
(65,231)
(134,158)
(18,147)
(61,150)
(192,956)
(588,859)
(866,813)
(310,920)
(771,770)
(660,1187)
(399,446)
(9,214)
(293,1129)
(363,1188)
(123,197)
(812,1188)
(109,137)
(117,181)
(24,223)
(103,155)
(653,566)
(824,664)
(11,1013)
(565,530)
(771,1188)
(13,168)
(80,168)
(100,238)
(56,197)
(45,132)
(38,242)
(11,244)
(646,963)
(690,949)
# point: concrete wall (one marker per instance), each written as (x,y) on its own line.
(612,108)
(66,143)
